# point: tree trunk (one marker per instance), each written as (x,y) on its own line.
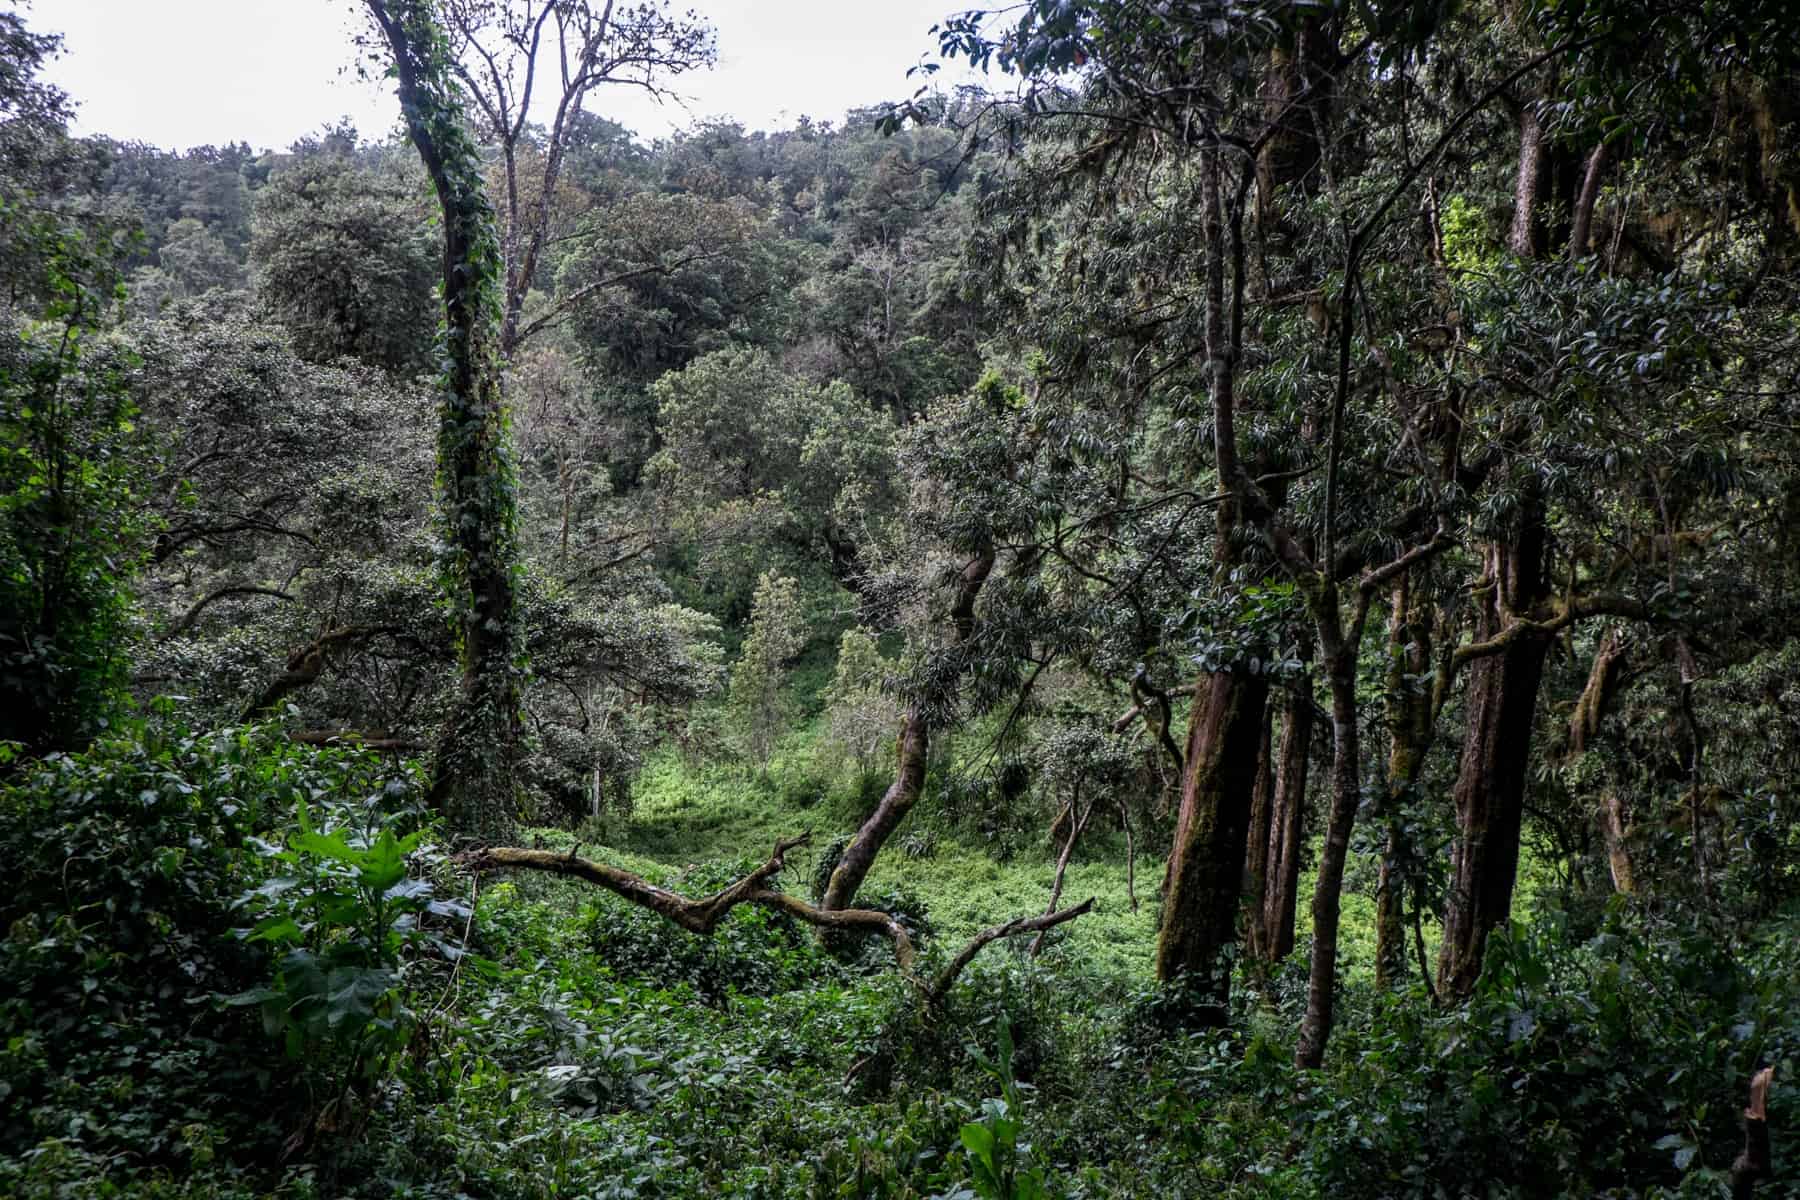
(1410,728)
(472,777)
(1582,223)
(1603,682)
(1286,829)
(1257,880)
(896,802)
(1503,686)
(909,766)
(1525,238)
(1206,862)
(1490,784)
(1615,832)
(1341,653)
(1218,782)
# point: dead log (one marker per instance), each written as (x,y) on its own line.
(699,915)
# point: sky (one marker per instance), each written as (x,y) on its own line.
(183,73)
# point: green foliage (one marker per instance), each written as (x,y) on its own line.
(119,947)
(349,920)
(1001,1165)
(1467,247)
(71,532)
(758,699)
(861,717)
(755,953)
(344,258)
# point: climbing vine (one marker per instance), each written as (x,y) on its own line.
(472,778)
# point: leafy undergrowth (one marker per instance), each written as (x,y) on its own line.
(214,985)
(684,814)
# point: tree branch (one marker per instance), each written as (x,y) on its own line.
(187,619)
(702,915)
(947,978)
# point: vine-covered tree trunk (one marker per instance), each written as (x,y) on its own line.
(1490,783)
(472,776)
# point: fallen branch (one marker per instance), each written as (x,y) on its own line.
(704,914)
(947,978)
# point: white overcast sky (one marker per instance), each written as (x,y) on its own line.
(182,73)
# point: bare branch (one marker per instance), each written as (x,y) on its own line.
(187,619)
(701,915)
(947,978)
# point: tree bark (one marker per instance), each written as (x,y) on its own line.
(1257,880)
(1346,796)
(1583,220)
(1206,862)
(1613,817)
(1287,828)
(1525,237)
(1490,786)
(1501,700)
(1410,729)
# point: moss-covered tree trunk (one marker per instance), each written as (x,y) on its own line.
(1407,699)
(1218,784)
(1501,700)
(472,775)
(1339,644)
(1206,862)
(1500,705)
(1259,844)
(1287,826)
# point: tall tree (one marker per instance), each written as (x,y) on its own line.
(472,776)
(528,67)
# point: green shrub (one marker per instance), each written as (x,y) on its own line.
(119,943)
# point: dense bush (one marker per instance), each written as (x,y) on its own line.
(122,917)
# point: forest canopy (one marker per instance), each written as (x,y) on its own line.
(1215,615)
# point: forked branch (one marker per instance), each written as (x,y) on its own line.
(703,914)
